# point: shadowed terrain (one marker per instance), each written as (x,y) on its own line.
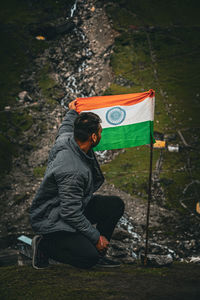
(180,282)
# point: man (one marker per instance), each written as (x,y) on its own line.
(64,209)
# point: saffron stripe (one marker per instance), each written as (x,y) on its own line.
(91,103)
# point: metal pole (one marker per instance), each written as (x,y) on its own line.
(149,202)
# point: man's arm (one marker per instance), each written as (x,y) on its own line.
(71,193)
(67,125)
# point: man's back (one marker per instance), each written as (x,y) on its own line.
(70,179)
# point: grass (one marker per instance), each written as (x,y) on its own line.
(130,170)
(158,48)
(56,282)
(49,88)
(127,282)
(39,171)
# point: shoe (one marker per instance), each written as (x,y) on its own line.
(39,260)
(105,262)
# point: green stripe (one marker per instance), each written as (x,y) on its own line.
(126,136)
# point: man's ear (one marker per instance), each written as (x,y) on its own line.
(94,137)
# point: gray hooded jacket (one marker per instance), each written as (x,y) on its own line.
(71,178)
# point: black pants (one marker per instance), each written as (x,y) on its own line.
(75,248)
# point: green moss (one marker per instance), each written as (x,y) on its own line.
(175,177)
(15,123)
(122,18)
(49,87)
(39,171)
(66,282)
(147,271)
(44,80)
(130,170)
(173,54)
(56,282)
(115,89)
(142,12)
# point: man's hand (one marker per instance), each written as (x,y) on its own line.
(72,105)
(102,244)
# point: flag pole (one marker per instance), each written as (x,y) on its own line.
(149,201)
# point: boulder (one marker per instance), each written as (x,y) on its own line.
(24,96)
(156,260)
(120,234)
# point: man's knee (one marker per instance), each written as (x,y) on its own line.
(119,205)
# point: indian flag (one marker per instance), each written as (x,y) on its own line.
(127,120)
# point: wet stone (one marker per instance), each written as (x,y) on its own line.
(121,234)
(154,260)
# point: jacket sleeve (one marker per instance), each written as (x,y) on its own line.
(67,125)
(71,194)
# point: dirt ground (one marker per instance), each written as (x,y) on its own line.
(129,282)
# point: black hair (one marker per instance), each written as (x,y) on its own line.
(85,125)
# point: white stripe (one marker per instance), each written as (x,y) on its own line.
(137,113)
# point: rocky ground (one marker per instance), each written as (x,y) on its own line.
(78,62)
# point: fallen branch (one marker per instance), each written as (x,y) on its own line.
(182,138)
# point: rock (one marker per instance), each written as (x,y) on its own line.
(129,260)
(154,260)
(122,81)
(118,245)
(24,96)
(120,254)
(120,234)
(194,259)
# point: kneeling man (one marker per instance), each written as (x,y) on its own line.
(64,210)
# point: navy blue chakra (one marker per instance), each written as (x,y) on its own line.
(115,115)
